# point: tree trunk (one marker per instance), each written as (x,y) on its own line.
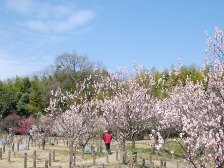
(100,145)
(133,144)
(72,156)
(83,150)
(123,144)
(43,142)
(154,143)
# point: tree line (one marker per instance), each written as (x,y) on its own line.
(26,96)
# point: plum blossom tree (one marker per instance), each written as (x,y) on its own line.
(216,46)
(197,114)
(75,116)
(196,111)
(128,111)
(24,125)
(44,129)
(216,84)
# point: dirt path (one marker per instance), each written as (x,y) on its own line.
(101,160)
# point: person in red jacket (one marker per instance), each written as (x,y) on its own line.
(107,137)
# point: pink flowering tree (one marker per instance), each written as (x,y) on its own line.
(24,125)
(196,111)
(216,86)
(197,114)
(75,116)
(44,129)
(129,106)
(216,46)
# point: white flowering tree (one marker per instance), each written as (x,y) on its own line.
(216,46)
(196,111)
(128,107)
(75,116)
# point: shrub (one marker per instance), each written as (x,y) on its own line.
(24,125)
(11,121)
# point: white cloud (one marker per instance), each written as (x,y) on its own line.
(46,11)
(77,19)
(19,6)
(80,18)
(36,25)
(46,17)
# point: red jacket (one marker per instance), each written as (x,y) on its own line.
(107,138)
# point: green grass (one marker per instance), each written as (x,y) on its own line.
(145,149)
(173,145)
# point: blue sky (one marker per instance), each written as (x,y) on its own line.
(153,33)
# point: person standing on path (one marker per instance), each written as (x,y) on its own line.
(107,137)
(30,134)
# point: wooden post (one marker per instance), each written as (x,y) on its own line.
(13,147)
(34,159)
(94,158)
(0,153)
(53,155)
(164,163)
(25,160)
(117,155)
(9,155)
(46,164)
(143,163)
(3,148)
(161,162)
(49,159)
(18,146)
